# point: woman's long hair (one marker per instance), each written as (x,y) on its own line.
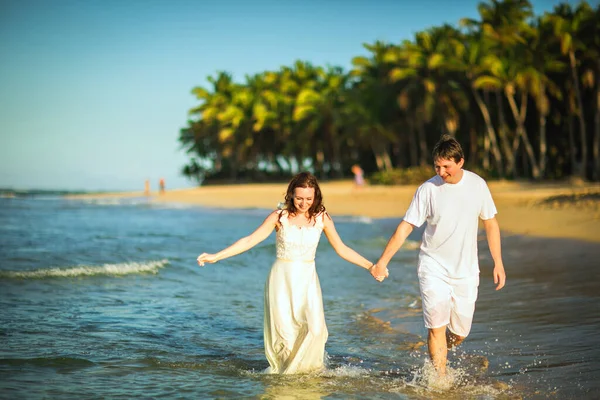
(304,180)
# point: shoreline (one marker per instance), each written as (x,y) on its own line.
(551,210)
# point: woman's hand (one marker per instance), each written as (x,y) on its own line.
(206,258)
(379,272)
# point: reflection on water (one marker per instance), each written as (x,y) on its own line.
(283,387)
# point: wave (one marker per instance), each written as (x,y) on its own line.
(55,362)
(359,219)
(113,201)
(411,245)
(85,270)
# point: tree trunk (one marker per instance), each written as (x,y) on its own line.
(486,152)
(491,134)
(596,148)
(412,142)
(502,133)
(398,155)
(387,160)
(543,146)
(543,106)
(521,131)
(320,160)
(423,152)
(572,147)
(580,115)
(336,161)
(515,149)
(473,156)
(382,156)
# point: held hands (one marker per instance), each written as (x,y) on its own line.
(379,272)
(206,258)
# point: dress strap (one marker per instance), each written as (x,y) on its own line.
(319,220)
(283,217)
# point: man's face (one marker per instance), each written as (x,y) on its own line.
(449,170)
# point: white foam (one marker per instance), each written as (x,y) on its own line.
(341,371)
(85,270)
(113,201)
(346,371)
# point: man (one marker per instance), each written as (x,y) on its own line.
(451,203)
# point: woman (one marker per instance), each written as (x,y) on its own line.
(359,176)
(294,323)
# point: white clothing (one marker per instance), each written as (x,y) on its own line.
(452,212)
(448,264)
(295,332)
(448,302)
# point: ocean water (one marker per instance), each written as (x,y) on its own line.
(104,299)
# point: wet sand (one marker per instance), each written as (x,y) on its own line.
(544,210)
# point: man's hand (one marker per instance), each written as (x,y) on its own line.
(379,272)
(499,276)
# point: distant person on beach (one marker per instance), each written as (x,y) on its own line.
(294,322)
(359,176)
(451,203)
(161,185)
(147,187)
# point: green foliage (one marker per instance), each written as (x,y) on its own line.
(390,109)
(403,176)
(416,175)
(485,174)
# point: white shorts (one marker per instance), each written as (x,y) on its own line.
(448,302)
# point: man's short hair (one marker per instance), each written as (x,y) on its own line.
(448,148)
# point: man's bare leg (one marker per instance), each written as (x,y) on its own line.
(438,351)
(452,339)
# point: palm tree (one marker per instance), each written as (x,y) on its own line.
(502,27)
(590,34)
(475,65)
(301,80)
(416,70)
(541,62)
(318,108)
(211,136)
(390,107)
(370,109)
(502,22)
(567,24)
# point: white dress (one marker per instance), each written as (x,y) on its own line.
(294,324)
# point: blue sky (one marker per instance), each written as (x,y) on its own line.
(93,93)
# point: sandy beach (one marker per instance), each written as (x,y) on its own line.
(536,209)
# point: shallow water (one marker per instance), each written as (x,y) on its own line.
(104,299)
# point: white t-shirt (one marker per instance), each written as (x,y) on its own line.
(452,212)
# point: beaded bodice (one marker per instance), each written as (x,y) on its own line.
(298,243)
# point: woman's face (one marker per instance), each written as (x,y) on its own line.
(303,198)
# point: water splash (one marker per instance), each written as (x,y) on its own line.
(460,381)
(426,377)
(351,371)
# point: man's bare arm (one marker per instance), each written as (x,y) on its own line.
(492,231)
(396,241)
